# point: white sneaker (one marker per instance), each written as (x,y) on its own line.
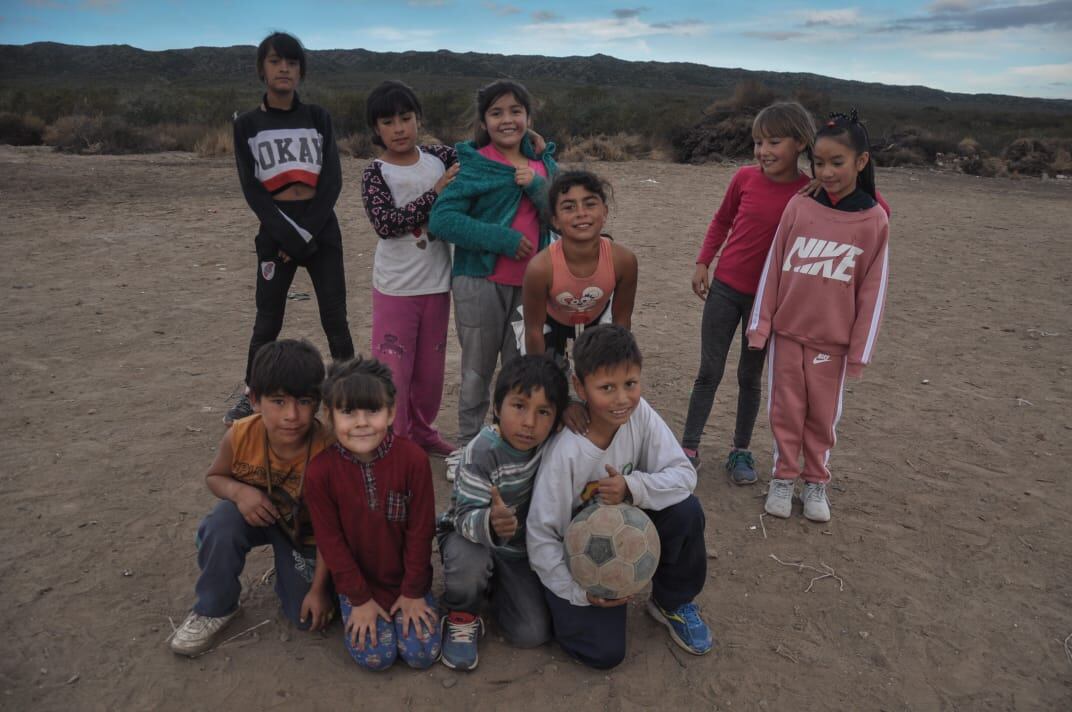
(197,633)
(780,498)
(816,504)
(453,460)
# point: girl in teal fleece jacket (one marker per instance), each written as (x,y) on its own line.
(491,212)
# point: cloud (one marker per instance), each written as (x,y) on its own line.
(426,3)
(1053,73)
(627,12)
(832,18)
(775,36)
(966,16)
(394,34)
(615,29)
(503,10)
(544,16)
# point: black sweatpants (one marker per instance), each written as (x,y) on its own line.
(724,309)
(274,277)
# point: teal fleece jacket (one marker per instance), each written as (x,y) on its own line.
(475,211)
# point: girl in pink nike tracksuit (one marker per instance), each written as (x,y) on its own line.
(818,309)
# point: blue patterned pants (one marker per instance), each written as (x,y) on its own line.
(394,643)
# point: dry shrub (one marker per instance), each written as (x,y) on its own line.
(1029,156)
(21,130)
(98,134)
(619,147)
(968,146)
(358,145)
(179,137)
(216,142)
(748,96)
(717,138)
(985,166)
(910,146)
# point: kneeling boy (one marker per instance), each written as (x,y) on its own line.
(258,473)
(483,542)
(628,455)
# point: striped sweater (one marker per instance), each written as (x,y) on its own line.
(489,461)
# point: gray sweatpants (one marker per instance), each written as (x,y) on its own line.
(483,311)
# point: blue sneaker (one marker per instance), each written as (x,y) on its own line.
(460,634)
(742,467)
(686,627)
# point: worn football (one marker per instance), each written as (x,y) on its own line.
(612,549)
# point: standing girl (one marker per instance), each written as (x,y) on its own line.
(570,284)
(373,508)
(491,212)
(819,303)
(411,270)
(288,165)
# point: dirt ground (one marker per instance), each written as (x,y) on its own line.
(129,284)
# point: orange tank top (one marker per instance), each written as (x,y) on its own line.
(255,464)
(579,300)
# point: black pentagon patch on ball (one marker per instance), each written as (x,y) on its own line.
(601,591)
(645,566)
(635,518)
(600,549)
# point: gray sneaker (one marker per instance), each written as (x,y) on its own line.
(780,498)
(816,504)
(242,409)
(198,633)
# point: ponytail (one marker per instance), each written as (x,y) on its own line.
(849,130)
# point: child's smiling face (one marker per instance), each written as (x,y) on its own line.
(361,430)
(579,214)
(837,166)
(612,394)
(506,122)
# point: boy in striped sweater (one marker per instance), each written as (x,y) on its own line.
(482,535)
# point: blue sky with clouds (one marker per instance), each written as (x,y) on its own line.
(1021,47)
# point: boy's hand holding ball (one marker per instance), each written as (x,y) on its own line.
(503,520)
(613,488)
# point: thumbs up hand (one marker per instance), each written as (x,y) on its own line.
(612,488)
(503,520)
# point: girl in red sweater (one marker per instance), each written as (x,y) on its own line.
(743,229)
(373,509)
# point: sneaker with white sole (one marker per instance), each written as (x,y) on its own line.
(686,627)
(780,498)
(453,460)
(461,631)
(816,503)
(198,633)
(241,409)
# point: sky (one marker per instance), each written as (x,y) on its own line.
(1020,47)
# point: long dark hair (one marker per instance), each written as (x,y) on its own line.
(491,93)
(850,131)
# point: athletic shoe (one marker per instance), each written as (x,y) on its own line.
(686,627)
(439,448)
(460,634)
(197,633)
(742,467)
(453,460)
(816,504)
(694,456)
(242,409)
(780,498)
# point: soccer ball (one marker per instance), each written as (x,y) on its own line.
(612,550)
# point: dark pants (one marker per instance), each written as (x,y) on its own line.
(724,309)
(470,570)
(223,540)
(596,636)
(274,277)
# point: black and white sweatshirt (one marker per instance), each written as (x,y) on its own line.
(275,148)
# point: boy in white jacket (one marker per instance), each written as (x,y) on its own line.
(627,454)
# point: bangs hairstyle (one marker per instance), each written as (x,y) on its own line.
(488,96)
(785,119)
(525,373)
(359,384)
(565,181)
(604,346)
(286,46)
(287,366)
(390,98)
(848,130)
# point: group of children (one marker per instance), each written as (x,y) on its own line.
(802,268)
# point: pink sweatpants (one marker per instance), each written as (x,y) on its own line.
(409,335)
(804,407)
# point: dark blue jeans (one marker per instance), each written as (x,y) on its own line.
(223,540)
(596,636)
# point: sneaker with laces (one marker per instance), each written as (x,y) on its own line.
(742,467)
(693,454)
(241,409)
(686,627)
(460,634)
(780,498)
(816,504)
(453,460)
(197,633)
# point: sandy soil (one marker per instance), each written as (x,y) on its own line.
(129,284)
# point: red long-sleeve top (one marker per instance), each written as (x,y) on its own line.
(374,522)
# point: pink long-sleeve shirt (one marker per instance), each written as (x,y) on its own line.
(824,281)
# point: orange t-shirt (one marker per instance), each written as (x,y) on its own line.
(255,464)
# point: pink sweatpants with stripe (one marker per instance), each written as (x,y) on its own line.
(409,335)
(804,407)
